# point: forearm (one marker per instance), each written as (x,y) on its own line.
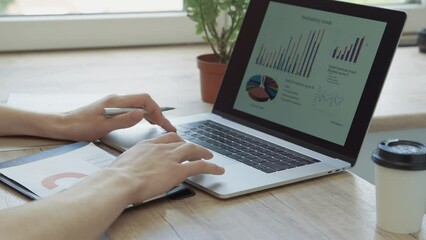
(82,212)
(87,123)
(20,122)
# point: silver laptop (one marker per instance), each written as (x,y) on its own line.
(297,97)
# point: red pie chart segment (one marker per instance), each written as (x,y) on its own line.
(262,88)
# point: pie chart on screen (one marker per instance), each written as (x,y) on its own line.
(262,88)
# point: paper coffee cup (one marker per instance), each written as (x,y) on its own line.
(400,185)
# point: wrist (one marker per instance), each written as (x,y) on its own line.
(61,126)
(112,185)
(52,126)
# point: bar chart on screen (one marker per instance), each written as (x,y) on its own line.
(296,55)
(349,53)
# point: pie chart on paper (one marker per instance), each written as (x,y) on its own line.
(262,88)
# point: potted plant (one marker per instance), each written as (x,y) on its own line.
(219,22)
(4,4)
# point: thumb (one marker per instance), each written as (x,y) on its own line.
(128,119)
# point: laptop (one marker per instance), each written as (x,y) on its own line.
(297,97)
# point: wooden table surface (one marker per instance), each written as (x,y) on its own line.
(340,206)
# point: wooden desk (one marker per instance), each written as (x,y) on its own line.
(341,206)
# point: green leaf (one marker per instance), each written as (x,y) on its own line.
(4,4)
(206,14)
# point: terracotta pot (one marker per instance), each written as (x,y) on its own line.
(211,75)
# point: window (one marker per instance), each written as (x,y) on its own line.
(55,7)
(56,24)
(415,9)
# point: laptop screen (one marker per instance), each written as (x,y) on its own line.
(310,71)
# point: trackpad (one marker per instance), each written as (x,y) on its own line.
(238,178)
(222,160)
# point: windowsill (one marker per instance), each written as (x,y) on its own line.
(160,70)
(402,102)
(408,40)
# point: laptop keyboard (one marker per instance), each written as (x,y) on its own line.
(250,150)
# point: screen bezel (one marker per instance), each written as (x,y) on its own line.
(224,105)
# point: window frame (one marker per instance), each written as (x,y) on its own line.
(118,30)
(416,13)
(416,20)
(95,30)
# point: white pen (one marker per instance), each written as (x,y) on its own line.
(109,112)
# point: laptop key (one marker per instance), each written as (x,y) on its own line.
(247,149)
(209,146)
(264,168)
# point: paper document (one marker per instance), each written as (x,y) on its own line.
(57,173)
